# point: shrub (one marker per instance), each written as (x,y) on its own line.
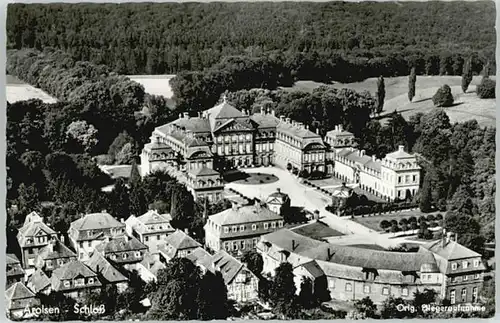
(413,225)
(394,222)
(104,159)
(486,90)
(395,228)
(403,221)
(439,216)
(261,181)
(433,224)
(412,219)
(421,219)
(443,97)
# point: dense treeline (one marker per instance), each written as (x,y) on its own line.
(108,102)
(146,38)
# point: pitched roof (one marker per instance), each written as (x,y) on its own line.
(265,121)
(228,266)
(451,251)
(38,281)
(31,229)
(151,263)
(12,259)
(33,217)
(72,270)
(203,171)
(305,136)
(343,191)
(180,240)
(313,268)
(244,214)
(277,197)
(223,110)
(201,257)
(120,244)
(153,217)
(400,153)
(55,250)
(102,267)
(348,255)
(193,124)
(18,291)
(93,221)
(157,146)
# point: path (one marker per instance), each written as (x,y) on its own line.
(309,199)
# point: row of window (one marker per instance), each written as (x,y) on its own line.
(79,282)
(50,264)
(234,138)
(240,245)
(464,278)
(366,288)
(124,256)
(465,264)
(254,226)
(313,157)
(234,149)
(158,237)
(406,179)
(463,295)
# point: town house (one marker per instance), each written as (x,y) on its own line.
(177,245)
(239,228)
(90,230)
(151,228)
(122,250)
(74,279)
(53,256)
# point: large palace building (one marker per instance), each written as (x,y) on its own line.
(350,272)
(223,137)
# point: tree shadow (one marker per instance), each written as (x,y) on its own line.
(455,104)
(422,100)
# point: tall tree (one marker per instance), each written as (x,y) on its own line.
(412,80)
(212,298)
(467,74)
(380,94)
(134,177)
(282,291)
(425,203)
(254,261)
(306,293)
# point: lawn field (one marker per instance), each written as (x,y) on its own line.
(468,106)
(317,230)
(17,90)
(155,84)
(373,222)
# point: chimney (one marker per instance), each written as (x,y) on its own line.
(106,239)
(401,148)
(262,111)
(294,245)
(268,111)
(337,128)
(317,131)
(180,115)
(343,184)
(443,238)
(122,220)
(186,231)
(316,214)
(272,113)
(329,254)
(282,118)
(340,128)
(374,158)
(287,120)
(61,237)
(456,237)
(186,115)
(51,247)
(278,190)
(362,152)
(98,269)
(127,238)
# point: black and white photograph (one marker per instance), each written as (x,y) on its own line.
(174,161)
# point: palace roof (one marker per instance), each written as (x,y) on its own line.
(291,242)
(244,214)
(399,154)
(201,257)
(228,266)
(305,136)
(265,121)
(451,250)
(178,240)
(203,171)
(153,217)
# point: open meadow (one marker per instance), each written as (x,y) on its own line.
(155,84)
(467,106)
(17,90)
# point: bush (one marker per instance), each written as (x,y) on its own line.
(443,97)
(422,219)
(431,217)
(104,159)
(412,219)
(486,90)
(403,221)
(439,216)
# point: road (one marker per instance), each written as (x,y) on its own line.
(302,196)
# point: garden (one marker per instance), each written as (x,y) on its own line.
(397,222)
(250,178)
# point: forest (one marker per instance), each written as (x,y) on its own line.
(167,38)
